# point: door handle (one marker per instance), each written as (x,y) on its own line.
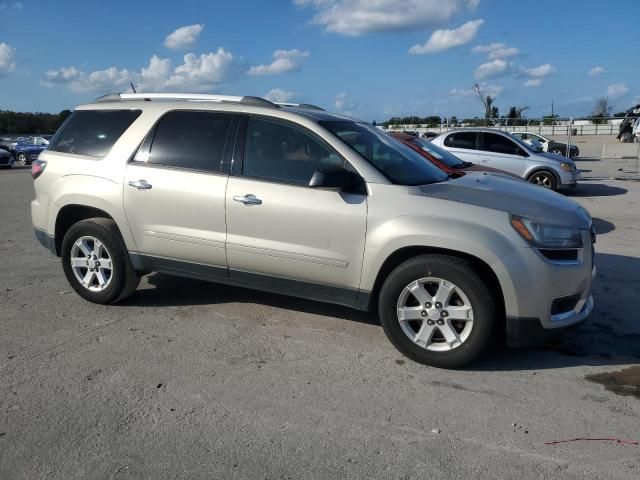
(140,184)
(248,199)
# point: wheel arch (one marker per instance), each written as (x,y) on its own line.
(405,253)
(72,213)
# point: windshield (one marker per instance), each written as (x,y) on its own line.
(396,161)
(523,144)
(441,154)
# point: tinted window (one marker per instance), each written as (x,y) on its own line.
(92,132)
(441,154)
(499,144)
(192,140)
(282,152)
(399,163)
(461,140)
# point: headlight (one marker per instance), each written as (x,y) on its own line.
(545,235)
(567,167)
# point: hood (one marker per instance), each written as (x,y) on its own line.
(510,195)
(554,157)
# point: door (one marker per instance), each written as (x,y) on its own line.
(500,152)
(174,191)
(463,145)
(282,232)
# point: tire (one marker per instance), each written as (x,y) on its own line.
(120,280)
(626,137)
(474,336)
(21,159)
(545,179)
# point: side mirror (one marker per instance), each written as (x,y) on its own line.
(337,179)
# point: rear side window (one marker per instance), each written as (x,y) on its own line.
(461,140)
(191,140)
(499,144)
(92,132)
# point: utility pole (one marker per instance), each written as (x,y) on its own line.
(552,108)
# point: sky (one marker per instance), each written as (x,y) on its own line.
(369,58)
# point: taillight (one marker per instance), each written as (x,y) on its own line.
(37,167)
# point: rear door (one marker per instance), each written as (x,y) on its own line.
(281,232)
(500,152)
(463,145)
(174,191)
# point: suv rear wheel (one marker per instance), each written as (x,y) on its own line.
(438,311)
(96,263)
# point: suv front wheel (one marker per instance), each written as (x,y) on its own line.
(96,262)
(438,311)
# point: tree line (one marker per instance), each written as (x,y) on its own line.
(31,123)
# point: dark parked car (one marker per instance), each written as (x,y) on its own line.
(6,158)
(549,145)
(28,150)
(444,160)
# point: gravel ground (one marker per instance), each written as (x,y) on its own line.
(193,380)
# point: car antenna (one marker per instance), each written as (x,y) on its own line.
(133,88)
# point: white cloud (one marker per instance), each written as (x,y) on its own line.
(7,65)
(491,69)
(486,89)
(183,37)
(540,71)
(596,71)
(617,90)
(344,103)
(533,82)
(284,61)
(448,38)
(503,53)
(280,95)
(11,5)
(63,75)
(488,48)
(197,73)
(359,17)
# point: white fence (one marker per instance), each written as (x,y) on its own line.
(560,127)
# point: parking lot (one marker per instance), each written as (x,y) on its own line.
(188,379)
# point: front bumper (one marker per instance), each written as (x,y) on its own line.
(529,332)
(569,179)
(544,297)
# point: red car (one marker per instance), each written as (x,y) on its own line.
(444,160)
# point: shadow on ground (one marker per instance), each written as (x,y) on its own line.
(610,336)
(590,189)
(602,226)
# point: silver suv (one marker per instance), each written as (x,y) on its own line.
(496,149)
(295,200)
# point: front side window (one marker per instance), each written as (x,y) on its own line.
(284,153)
(396,161)
(190,140)
(92,132)
(499,144)
(466,140)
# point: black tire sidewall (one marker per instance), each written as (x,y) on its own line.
(461,274)
(552,177)
(113,244)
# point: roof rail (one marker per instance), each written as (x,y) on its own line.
(193,97)
(299,105)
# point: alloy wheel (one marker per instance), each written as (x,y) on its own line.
(91,263)
(435,314)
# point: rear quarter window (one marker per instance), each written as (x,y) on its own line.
(92,132)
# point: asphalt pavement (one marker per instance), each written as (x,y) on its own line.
(188,379)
